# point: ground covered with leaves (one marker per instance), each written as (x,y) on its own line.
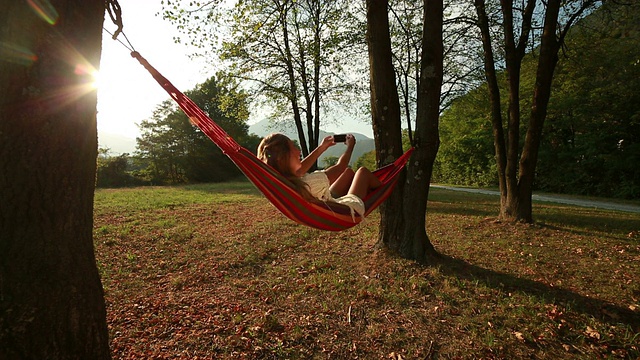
(215,272)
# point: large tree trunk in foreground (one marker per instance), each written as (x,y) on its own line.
(51,298)
(385,112)
(415,243)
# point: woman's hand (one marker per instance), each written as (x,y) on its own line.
(351,141)
(335,171)
(308,161)
(327,142)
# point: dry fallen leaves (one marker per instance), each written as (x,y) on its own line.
(592,333)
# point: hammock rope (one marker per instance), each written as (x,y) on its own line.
(277,189)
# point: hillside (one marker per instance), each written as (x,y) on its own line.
(116,143)
(364,144)
(119,144)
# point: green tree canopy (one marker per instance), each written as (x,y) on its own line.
(177,151)
(594,121)
(591,139)
(466,156)
(112,171)
(295,55)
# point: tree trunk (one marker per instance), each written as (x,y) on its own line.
(506,151)
(51,298)
(297,118)
(385,112)
(494,98)
(549,48)
(415,243)
(513,62)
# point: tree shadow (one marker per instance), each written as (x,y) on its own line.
(632,238)
(461,209)
(602,310)
(596,221)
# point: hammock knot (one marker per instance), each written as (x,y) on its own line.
(115,13)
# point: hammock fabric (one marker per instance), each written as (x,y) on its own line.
(279,190)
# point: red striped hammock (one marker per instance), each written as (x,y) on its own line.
(279,190)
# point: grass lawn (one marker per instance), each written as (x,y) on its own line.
(215,272)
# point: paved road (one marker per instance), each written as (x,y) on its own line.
(554,199)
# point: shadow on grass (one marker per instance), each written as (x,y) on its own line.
(599,309)
(570,218)
(631,239)
(601,222)
(456,209)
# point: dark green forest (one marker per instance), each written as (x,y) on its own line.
(590,146)
(591,139)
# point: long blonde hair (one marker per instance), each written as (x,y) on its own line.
(275,151)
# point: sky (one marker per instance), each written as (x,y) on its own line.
(127,93)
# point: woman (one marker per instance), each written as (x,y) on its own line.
(337,183)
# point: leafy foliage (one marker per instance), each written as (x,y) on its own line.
(329,161)
(465,156)
(591,138)
(177,151)
(295,55)
(592,142)
(367,160)
(114,171)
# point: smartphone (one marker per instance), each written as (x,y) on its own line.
(340,138)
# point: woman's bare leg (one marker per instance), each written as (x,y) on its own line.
(341,186)
(363,182)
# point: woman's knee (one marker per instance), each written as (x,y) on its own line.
(364,171)
(347,175)
(365,175)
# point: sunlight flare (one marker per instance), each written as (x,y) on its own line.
(15,54)
(91,73)
(45,10)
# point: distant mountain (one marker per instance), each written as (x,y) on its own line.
(120,144)
(117,144)
(364,144)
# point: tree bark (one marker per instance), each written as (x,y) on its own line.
(513,62)
(51,298)
(549,48)
(385,112)
(415,242)
(494,98)
(288,59)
